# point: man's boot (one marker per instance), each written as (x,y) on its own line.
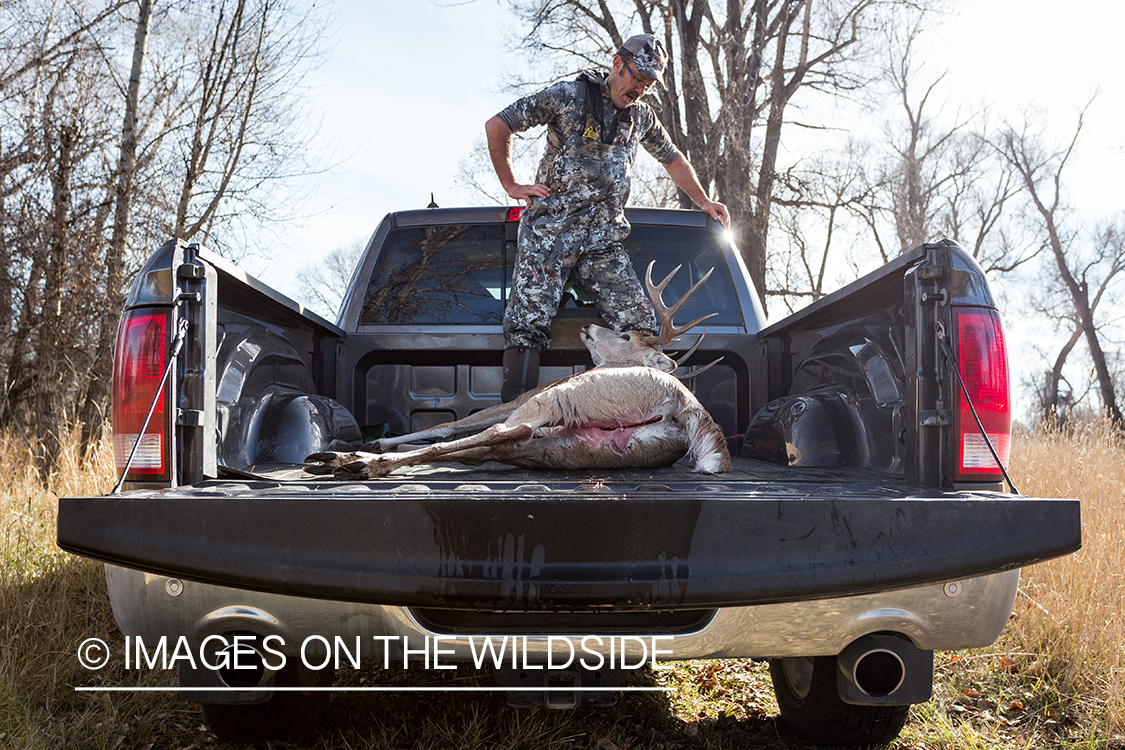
(521,371)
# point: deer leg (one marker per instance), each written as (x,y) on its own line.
(482,419)
(487,417)
(372,465)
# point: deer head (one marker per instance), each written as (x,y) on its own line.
(629,349)
(636,348)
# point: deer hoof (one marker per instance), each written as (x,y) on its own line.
(322,458)
(324,463)
(331,463)
(365,467)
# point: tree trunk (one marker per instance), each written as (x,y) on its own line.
(97,394)
(1080,297)
(1021,153)
(781,91)
(1050,402)
(51,355)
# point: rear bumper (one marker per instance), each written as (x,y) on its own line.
(582,547)
(964,614)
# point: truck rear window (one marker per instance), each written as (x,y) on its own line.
(460,275)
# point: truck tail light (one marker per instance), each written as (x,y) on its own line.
(139,361)
(515,213)
(983,362)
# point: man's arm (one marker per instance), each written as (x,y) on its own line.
(500,149)
(683,174)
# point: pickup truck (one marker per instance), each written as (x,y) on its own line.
(863,526)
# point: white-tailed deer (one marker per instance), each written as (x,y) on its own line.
(627,412)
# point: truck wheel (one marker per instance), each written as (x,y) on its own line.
(812,708)
(286,714)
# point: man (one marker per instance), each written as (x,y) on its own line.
(575,220)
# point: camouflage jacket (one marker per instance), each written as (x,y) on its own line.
(587,163)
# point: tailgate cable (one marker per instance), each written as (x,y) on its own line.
(177,344)
(965,392)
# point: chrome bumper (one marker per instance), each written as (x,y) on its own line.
(970,613)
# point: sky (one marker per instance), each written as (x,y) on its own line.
(405,89)
(1054,57)
(403,97)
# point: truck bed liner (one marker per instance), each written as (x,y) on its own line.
(744,471)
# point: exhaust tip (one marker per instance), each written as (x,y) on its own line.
(250,672)
(884,668)
(879,673)
(237,661)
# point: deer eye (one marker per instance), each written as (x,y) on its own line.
(624,337)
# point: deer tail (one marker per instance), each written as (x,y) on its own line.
(707,444)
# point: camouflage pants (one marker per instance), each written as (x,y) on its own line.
(590,253)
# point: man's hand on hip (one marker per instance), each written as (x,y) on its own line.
(527,192)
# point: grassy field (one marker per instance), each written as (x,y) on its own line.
(1054,680)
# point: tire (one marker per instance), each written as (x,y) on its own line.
(812,708)
(286,714)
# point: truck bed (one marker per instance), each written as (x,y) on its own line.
(744,470)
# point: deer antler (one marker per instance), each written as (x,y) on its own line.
(679,359)
(697,371)
(668,331)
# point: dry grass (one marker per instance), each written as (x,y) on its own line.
(1053,680)
(28,509)
(1069,614)
(49,602)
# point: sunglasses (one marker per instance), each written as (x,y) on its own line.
(642,83)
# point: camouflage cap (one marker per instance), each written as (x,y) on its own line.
(648,55)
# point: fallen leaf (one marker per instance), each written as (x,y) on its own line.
(605,743)
(968,697)
(1007,665)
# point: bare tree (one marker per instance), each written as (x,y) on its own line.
(821,198)
(56,124)
(97,394)
(942,177)
(246,131)
(1085,266)
(1053,404)
(323,283)
(89,155)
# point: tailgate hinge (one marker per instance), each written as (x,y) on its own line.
(189,417)
(935,418)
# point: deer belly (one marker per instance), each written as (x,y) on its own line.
(642,445)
